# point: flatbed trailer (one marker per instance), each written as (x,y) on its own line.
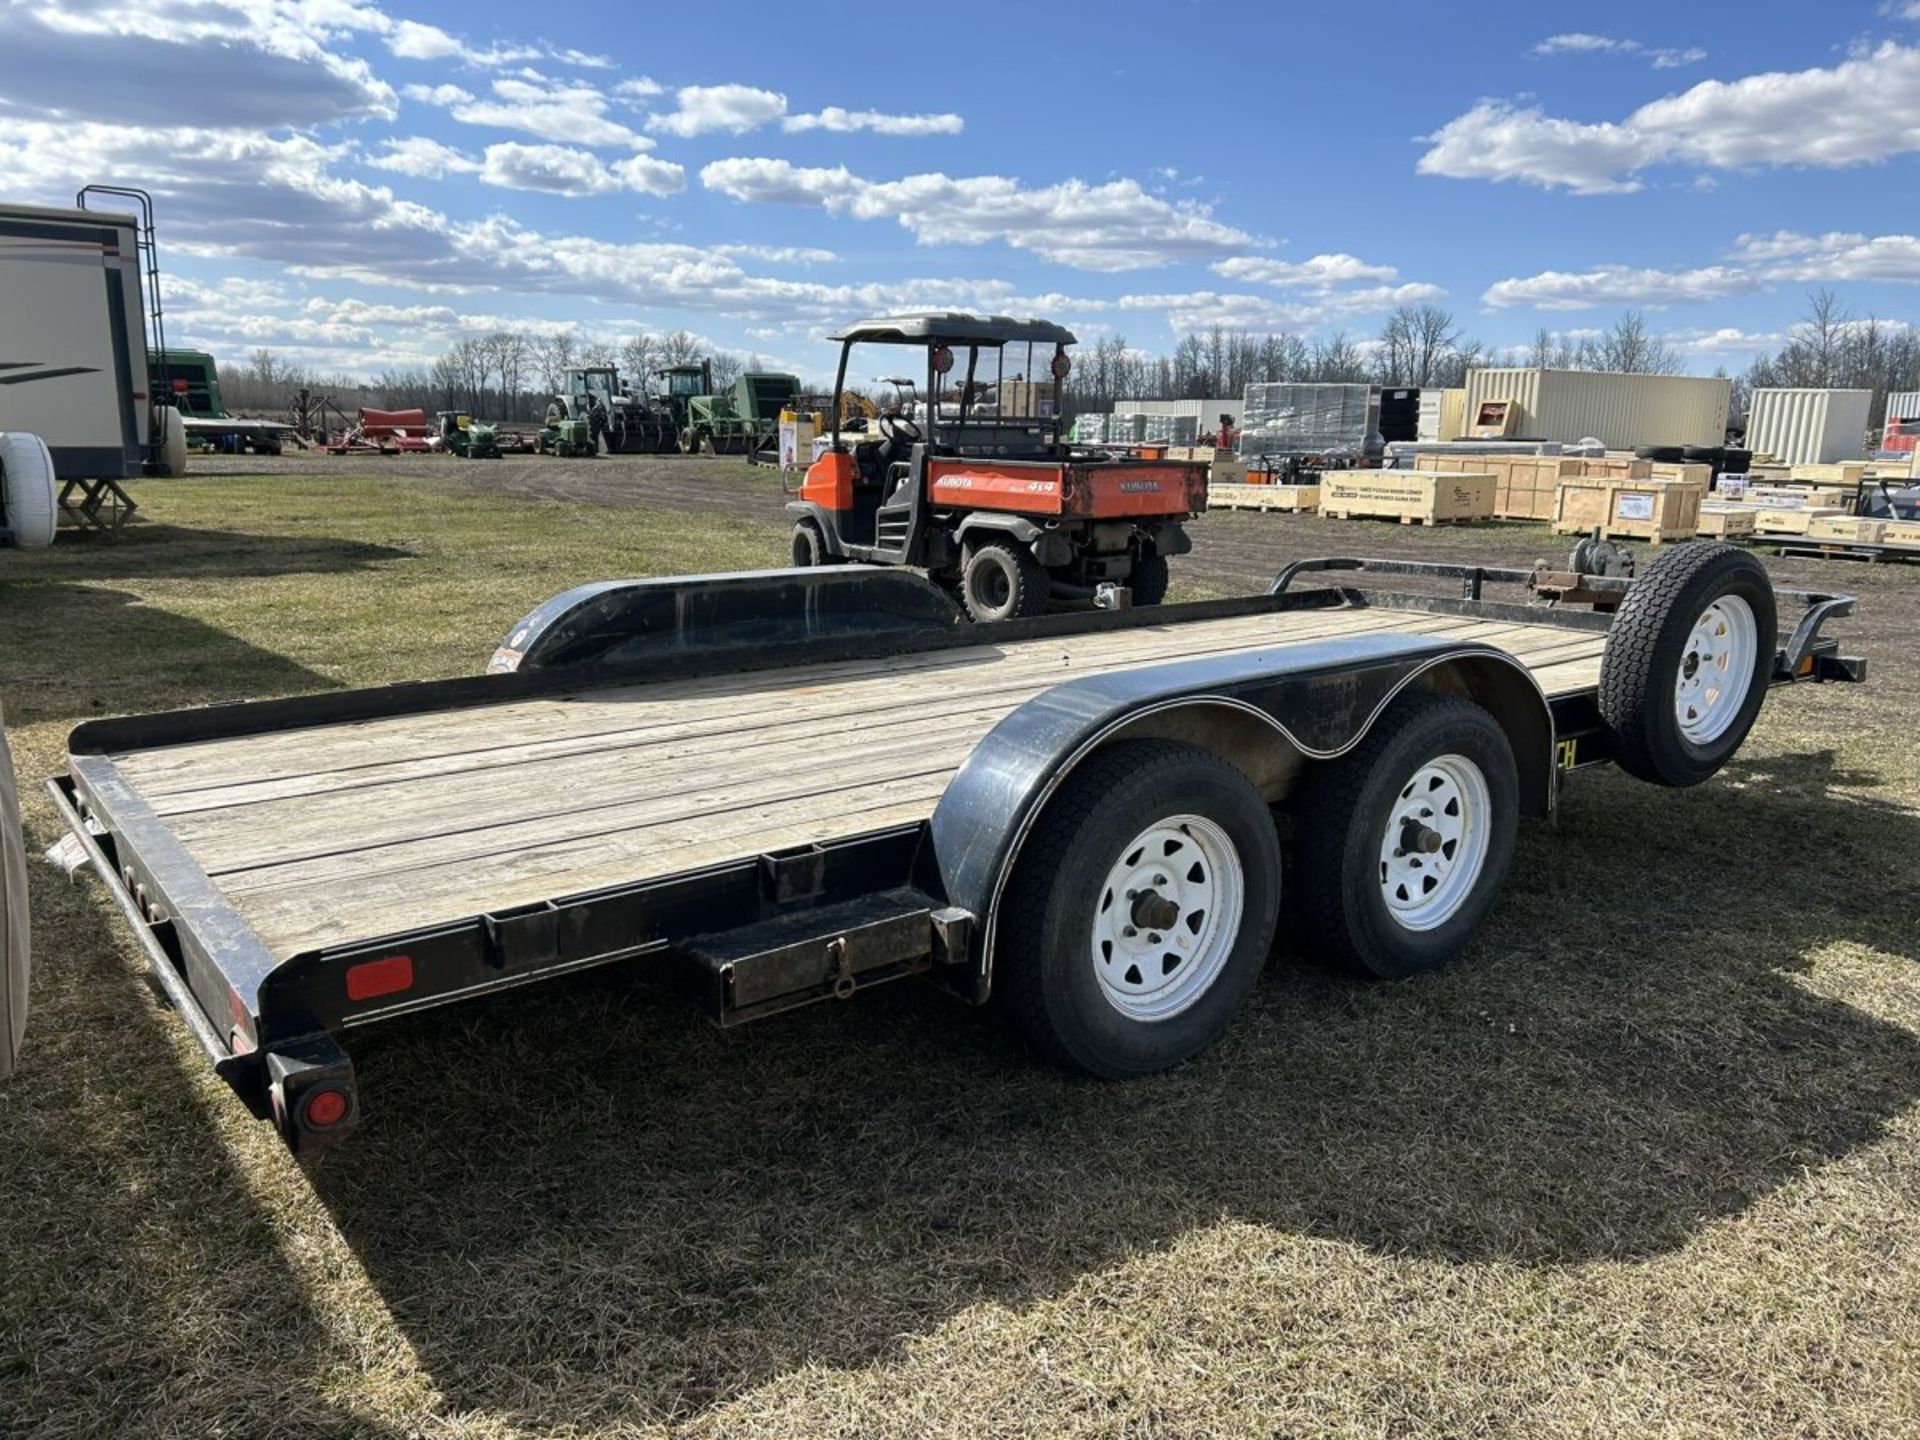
(794,785)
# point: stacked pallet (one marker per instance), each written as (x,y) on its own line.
(1287,499)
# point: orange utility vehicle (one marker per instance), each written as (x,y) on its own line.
(991,502)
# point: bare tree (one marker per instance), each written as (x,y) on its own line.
(726,369)
(1630,348)
(1415,342)
(640,356)
(678,347)
(557,353)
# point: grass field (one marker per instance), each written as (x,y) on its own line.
(1643,1163)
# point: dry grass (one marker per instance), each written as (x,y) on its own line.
(1643,1163)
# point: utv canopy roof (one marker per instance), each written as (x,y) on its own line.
(922,327)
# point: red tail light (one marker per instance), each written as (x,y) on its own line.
(324,1107)
(371,979)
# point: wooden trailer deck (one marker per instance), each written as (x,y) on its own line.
(351,831)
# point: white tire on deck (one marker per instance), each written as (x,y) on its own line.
(26,486)
(173,440)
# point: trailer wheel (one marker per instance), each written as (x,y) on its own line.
(809,545)
(1142,909)
(1401,845)
(27,494)
(1687,662)
(1149,579)
(1000,580)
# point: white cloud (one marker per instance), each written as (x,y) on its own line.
(779,254)
(732,108)
(1618,285)
(639,87)
(1202,309)
(139,61)
(1865,109)
(1834,257)
(1727,340)
(1321,270)
(412,40)
(1578,42)
(564,170)
(1496,141)
(422,158)
(841,121)
(565,111)
(1110,227)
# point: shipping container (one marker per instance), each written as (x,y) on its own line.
(1443,414)
(1620,411)
(1900,432)
(1809,427)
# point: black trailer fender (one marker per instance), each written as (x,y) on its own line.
(1269,712)
(620,621)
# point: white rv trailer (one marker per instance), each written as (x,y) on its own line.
(73,353)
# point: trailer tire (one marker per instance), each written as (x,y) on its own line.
(1081,990)
(27,493)
(1368,898)
(809,545)
(1699,612)
(1001,580)
(1149,579)
(173,440)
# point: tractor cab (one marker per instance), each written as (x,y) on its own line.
(977,483)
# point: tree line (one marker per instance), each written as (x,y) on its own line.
(504,375)
(1418,345)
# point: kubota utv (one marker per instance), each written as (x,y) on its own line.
(993,504)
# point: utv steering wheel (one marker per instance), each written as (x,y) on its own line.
(896,426)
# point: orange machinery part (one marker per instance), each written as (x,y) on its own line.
(376,424)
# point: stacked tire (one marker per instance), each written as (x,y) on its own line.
(29,510)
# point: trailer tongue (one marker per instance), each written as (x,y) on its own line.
(796,785)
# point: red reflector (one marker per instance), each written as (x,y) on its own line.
(324,1107)
(179,387)
(372,978)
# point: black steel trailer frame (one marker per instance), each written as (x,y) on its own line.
(797,924)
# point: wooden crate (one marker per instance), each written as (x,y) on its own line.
(1654,510)
(1290,499)
(1797,520)
(1848,473)
(1787,497)
(1226,468)
(1901,532)
(1688,470)
(1423,497)
(1725,522)
(1846,527)
(1624,467)
(1523,485)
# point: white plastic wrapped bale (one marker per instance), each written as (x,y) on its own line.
(1290,419)
(1170,429)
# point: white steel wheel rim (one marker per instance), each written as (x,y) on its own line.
(1716,669)
(1439,829)
(1185,872)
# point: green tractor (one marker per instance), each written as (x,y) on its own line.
(744,419)
(634,424)
(470,439)
(566,437)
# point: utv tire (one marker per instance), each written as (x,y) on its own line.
(1000,580)
(1402,844)
(809,545)
(1149,580)
(1687,662)
(1141,826)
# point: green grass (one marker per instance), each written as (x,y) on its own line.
(1643,1163)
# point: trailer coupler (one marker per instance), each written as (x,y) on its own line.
(827,952)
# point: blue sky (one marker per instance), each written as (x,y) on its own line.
(355,185)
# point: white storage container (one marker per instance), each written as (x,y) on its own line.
(1621,411)
(1809,427)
